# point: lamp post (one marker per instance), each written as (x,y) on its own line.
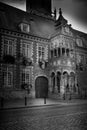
(27,88)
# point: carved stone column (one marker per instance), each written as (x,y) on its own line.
(53,52)
(60,51)
(65,52)
(56,90)
(62,89)
(57,51)
(77,89)
(51,84)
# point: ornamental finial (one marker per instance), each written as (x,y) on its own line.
(60,11)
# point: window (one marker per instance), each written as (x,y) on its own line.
(51,53)
(41,52)
(26,49)
(7,78)
(25,27)
(67,52)
(80,62)
(59,53)
(79,42)
(63,51)
(72,54)
(9,47)
(67,29)
(25,77)
(55,52)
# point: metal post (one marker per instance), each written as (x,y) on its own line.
(44,100)
(25,101)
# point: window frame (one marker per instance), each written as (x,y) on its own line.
(9,49)
(26,51)
(6,77)
(41,52)
(25,73)
(6,46)
(25,27)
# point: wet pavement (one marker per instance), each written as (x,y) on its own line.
(72,116)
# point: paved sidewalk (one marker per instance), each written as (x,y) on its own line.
(20,103)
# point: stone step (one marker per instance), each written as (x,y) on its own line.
(54,96)
(66,96)
(72,96)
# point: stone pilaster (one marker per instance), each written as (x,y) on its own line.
(62,87)
(76,85)
(56,90)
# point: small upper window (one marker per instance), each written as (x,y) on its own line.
(25,27)
(79,42)
(67,29)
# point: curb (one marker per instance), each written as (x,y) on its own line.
(41,106)
(32,106)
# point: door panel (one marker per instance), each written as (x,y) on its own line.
(41,87)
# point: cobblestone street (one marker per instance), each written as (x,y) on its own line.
(72,117)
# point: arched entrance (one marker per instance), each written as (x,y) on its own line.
(41,87)
(58,81)
(65,80)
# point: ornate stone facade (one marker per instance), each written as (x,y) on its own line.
(50,55)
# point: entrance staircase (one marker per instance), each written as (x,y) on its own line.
(67,96)
(72,96)
(54,96)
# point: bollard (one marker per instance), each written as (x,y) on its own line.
(25,101)
(44,100)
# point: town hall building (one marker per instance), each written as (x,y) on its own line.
(41,54)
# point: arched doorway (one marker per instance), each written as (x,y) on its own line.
(41,87)
(65,80)
(58,81)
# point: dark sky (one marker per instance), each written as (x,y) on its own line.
(16,3)
(75,11)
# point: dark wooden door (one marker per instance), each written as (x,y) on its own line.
(41,87)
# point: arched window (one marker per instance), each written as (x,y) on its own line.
(67,52)
(55,52)
(63,51)
(59,52)
(51,53)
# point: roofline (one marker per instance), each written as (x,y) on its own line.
(28,34)
(29,13)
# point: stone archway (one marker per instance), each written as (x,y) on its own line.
(41,87)
(66,81)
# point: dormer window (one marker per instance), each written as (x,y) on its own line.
(79,42)
(25,27)
(67,29)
